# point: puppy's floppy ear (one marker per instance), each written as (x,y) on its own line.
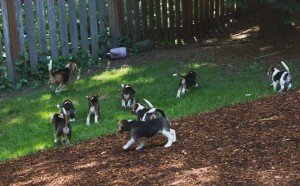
(133,108)
(53,118)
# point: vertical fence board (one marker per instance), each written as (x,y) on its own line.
(64,42)
(13,31)
(83,25)
(115,20)
(41,27)
(20,27)
(178,18)
(9,60)
(196,17)
(137,20)
(165,20)
(211,12)
(172,20)
(151,20)
(222,12)
(144,19)
(73,28)
(217,12)
(187,20)
(206,14)
(103,22)
(94,28)
(31,35)
(158,20)
(201,12)
(129,16)
(52,30)
(1,36)
(20,35)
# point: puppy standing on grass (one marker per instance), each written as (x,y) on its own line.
(94,108)
(146,129)
(60,78)
(70,109)
(62,128)
(281,77)
(186,82)
(127,96)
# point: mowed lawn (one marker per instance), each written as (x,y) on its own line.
(26,119)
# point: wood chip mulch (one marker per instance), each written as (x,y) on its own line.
(255,143)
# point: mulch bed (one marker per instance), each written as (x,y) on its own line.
(255,143)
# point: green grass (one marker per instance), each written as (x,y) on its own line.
(25,120)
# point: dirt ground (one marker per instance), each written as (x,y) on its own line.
(255,143)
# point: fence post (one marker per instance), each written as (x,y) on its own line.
(187,15)
(31,35)
(52,30)
(13,30)
(8,47)
(73,29)
(103,22)
(115,20)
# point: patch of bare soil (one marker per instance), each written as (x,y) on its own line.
(255,143)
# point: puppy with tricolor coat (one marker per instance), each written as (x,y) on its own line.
(70,109)
(93,108)
(61,77)
(144,113)
(127,96)
(280,77)
(186,82)
(142,130)
(62,128)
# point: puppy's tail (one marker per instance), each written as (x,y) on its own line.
(161,112)
(177,74)
(149,104)
(50,65)
(66,129)
(285,66)
(78,73)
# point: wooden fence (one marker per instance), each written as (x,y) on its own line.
(38,28)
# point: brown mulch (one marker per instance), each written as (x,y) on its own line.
(255,143)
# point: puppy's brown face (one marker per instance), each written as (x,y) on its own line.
(270,71)
(121,126)
(73,67)
(134,108)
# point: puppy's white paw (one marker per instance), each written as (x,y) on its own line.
(138,148)
(174,139)
(125,147)
(168,145)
